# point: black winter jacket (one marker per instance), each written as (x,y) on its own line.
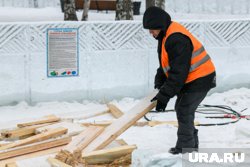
(179,48)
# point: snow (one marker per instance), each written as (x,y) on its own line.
(152,142)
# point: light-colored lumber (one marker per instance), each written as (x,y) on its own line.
(107,123)
(116,143)
(20,132)
(124,161)
(31,155)
(56,163)
(107,156)
(71,154)
(121,142)
(97,123)
(3,144)
(73,128)
(145,123)
(84,138)
(115,111)
(47,144)
(121,124)
(46,119)
(174,123)
(11,164)
(40,137)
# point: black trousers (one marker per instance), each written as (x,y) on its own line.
(185,107)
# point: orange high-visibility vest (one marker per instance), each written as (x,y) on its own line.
(201,64)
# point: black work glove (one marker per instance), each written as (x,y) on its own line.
(160,78)
(162,102)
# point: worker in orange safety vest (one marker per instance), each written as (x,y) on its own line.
(186,71)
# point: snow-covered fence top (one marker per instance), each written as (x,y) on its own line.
(116,59)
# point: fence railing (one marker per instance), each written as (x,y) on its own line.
(116,59)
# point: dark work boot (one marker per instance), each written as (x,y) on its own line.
(196,139)
(175,150)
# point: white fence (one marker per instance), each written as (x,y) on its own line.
(116,59)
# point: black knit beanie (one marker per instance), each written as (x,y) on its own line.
(155,18)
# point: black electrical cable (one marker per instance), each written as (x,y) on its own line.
(221,109)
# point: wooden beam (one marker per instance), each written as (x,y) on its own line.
(56,163)
(108,155)
(72,153)
(121,124)
(145,123)
(31,155)
(73,128)
(121,142)
(115,111)
(36,138)
(11,164)
(174,123)
(97,123)
(84,138)
(46,119)
(116,143)
(13,152)
(20,132)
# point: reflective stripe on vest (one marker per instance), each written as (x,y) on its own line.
(201,64)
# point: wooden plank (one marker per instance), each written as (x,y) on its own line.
(121,124)
(108,155)
(84,138)
(116,143)
(97,123)
(72,153)
(56,163)
(73,128)
(4,154)
(11,164)
(3,144)
(20,132)
(46,119)
(174,123)
(145,123)
(121,142)
(115,111)
(36,138)
(31,155)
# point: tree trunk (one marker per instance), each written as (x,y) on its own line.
(124,10)
(36,3)
(70,10)
(158,3)
(85,10)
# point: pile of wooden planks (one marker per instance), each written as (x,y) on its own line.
(75,144)
(89,147)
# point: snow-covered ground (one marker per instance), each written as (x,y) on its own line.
(152,142)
